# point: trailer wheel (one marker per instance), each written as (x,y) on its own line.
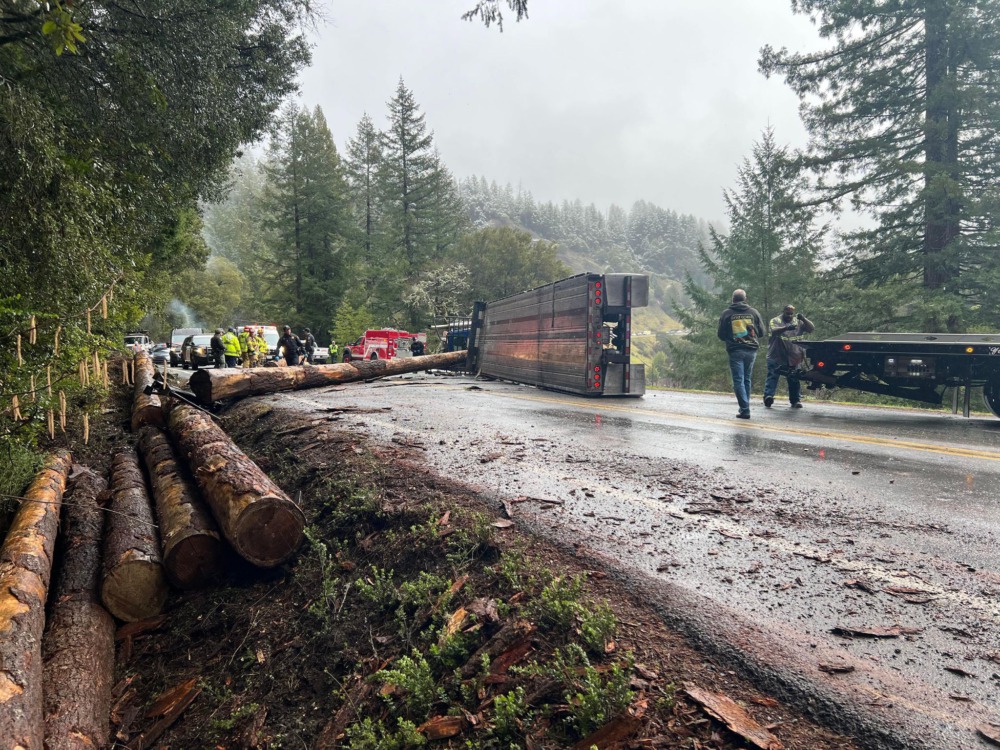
(991,395)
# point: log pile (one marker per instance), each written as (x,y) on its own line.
(192,548)
(146,407)
(257,518)
(55,691)
(134,585)
(215,385)
(79,646)
(25,567)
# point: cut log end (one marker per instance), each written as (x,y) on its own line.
(269,531)
(121,584)
(195,561)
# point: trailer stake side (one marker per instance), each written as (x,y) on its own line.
(916,366)
(572,335)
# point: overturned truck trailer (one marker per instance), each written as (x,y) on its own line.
(571,335)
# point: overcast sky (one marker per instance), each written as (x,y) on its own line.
(608,101)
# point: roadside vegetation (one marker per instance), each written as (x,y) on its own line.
(413,616)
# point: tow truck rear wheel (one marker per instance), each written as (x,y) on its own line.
(991,395)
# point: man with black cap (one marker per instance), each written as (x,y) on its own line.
(290,343)
(784,354)
(310,343)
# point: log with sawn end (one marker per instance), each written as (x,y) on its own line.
(215,385)
(25,568)
(262,523)
(78,652)
(193,550)
(146,407)
(134,585)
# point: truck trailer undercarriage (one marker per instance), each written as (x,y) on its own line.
(915,366)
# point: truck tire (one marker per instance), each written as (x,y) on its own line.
(347,357)
(373,356)
(991,395)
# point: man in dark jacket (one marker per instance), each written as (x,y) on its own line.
(291,345)
(740,327)
(784,354)
(218,349)
(310,343)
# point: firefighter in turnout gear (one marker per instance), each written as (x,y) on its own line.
(251,356)
(244,339)
(262,348)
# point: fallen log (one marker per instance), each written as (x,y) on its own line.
(134,586)
(257,518)
(25,567)
(214,385)
(78,652)
(192,547)
(146,407)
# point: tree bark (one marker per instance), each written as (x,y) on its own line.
(192,547)
(146,408)
(134,585)
(25,567)
(213,385)
(261,522)
(78,653)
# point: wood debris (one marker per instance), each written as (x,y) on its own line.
(893,631)
(725,709)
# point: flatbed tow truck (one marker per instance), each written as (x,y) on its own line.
(916,366)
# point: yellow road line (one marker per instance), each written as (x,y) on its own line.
(783,430)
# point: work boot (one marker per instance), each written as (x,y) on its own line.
(768,400)
(743,415)
(797,405)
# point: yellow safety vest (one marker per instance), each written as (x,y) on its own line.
(231,343)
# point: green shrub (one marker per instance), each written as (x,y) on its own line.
(597,627)
(413,676)
(373,735)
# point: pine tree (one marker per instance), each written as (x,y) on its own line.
(905,121)
(362,161)
(307,205)
(423,213)
(771,251)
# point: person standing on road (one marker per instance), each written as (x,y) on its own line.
(291,345)
(784,354)
(310,344)
(218,349)
(252,358)
(262,348)
(232,347)
(244,339)
(740,327)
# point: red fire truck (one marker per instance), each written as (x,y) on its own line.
(385,343)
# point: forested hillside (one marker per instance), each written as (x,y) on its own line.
(646,238)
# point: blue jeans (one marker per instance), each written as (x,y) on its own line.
(741,366)
(771,384)
(232,361)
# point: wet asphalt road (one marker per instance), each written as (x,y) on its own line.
(758,538)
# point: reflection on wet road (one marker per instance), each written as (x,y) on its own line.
(795,523)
